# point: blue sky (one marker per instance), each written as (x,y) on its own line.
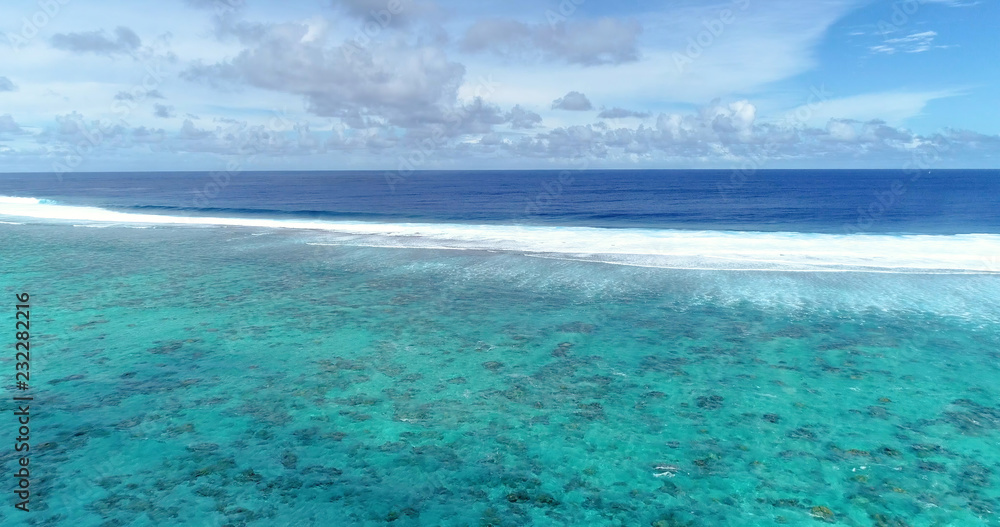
(429,84)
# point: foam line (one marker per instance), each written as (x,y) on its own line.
(680,249)
(13,200)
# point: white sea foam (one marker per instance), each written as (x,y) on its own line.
(14,200)
(755,251)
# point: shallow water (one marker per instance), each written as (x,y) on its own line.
(220,375)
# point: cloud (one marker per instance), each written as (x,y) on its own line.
(769,42)
(163,111)
(360,8)
(572,101)
(8,126)
(894,106)
(391,82)
(96,42)
(841,130)
(621,113)
(519,118)
(731,133)
(364,8)
(143,135)
(717,134)
(385,13)
(7,85)
(127,96)
(72,129)
(412,88)
(478,117)
(587,43)
(190,131)
(218,5)
(913,43)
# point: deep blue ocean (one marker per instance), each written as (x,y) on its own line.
(606,348)
(821,201)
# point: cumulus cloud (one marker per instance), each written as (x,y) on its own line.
(7,85)
(573,101)
(842,130)
(163,111)
(190,131)
(8,126)
(143,135)
(621,113)
(403,85)
(408,90)
(478,117)
(360,7)
(73,129)
(730,132)
(386,13)
(719,132)
(713,129)
(519,118)
(585,42)
(126,41)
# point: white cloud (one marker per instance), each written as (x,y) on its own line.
(8,126)
(621,113)
(841,130)
(913,43)
(894,107)
(573,101)
(163,111)
(583,42)
(125,41)
(767,43)
(243,64)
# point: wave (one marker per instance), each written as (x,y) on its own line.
(265,212)
(14,200)
(680,249)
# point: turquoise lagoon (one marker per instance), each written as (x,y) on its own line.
(248,376)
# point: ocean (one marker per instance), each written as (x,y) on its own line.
(661,348)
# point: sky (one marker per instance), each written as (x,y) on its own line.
(516,84)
